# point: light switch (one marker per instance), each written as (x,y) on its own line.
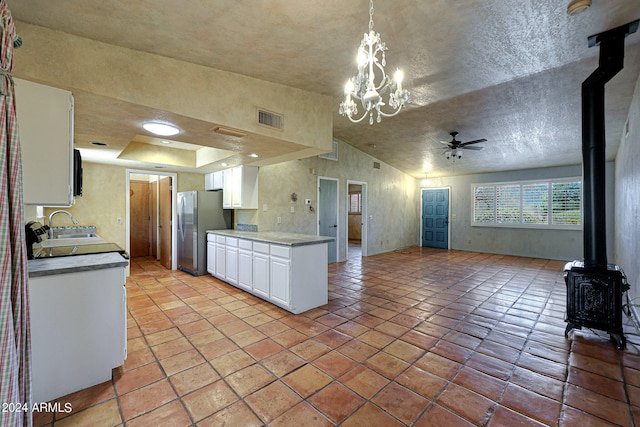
(265,207)
(293,209)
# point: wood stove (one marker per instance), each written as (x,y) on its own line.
(594,287)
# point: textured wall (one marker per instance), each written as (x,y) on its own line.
(628,199)
(392,199)
(103,200)
(537,243)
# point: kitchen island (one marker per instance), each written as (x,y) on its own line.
(287,269)
(78,322)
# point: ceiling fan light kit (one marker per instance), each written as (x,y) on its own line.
(455,147)
(363,86)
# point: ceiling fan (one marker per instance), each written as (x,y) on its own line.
(454,146)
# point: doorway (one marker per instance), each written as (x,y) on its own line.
(328,214)
(150,210)
(356,219)
(435,218)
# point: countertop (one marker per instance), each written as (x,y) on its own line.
(73,264)
(277,237)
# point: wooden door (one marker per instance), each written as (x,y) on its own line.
(164,226)
(139,213)
(153,212)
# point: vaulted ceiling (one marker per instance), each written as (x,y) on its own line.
(509,71)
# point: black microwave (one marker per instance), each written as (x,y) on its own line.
(77,173)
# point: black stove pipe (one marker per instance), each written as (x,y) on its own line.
(593,142)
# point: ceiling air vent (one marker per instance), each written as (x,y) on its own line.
(333,155)
(270,119)
(376,165)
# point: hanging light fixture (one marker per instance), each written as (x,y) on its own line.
(369,87)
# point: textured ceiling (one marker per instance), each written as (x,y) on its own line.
(506,70)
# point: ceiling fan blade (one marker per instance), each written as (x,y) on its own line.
(466,147)
(473,142)
(445,142)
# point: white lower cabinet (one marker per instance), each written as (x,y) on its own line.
(245,265)
(211,257)
(231,261)
(78,330)
(280,277)
(261,275)
(292,277)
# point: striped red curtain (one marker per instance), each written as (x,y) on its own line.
(15,344)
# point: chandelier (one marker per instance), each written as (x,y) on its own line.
(369,87)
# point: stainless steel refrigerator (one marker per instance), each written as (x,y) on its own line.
(198,211)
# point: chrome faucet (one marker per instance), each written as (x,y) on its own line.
(75,221)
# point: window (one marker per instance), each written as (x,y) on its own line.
(355,203)
(542,204)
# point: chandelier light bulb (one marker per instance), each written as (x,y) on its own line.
(371,86)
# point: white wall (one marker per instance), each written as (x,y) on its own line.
(627,204)
(536,243)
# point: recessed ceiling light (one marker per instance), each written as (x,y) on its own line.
(99,144)
(254,155)
(224,164)
(164,141)
(576,7)
(162,129)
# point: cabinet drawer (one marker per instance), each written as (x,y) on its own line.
(261,247)
(220,239)
(232,241)
(245,244)
(211,237)
(281,251)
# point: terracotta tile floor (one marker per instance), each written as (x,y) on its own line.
(415,337)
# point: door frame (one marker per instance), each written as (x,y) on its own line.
(337,211)
(174,222)
(365,217)
(421,231)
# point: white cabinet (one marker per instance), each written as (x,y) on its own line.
(240,188)
(78,330)
(221,264)
(45,121)
(214,181)
(280,277)
(231,261)
(261,269)
(245,264)
(211,254)
(292,277)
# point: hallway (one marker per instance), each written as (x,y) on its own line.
(423,337)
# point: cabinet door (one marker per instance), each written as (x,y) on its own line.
(220,261)
(261,274)
(231,269)
(227,189)
(45,118)
(280,279)
(211,258)
(236,184)
(245,269)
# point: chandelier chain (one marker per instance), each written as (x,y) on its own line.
(370,15)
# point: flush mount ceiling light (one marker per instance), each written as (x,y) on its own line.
(576,7)
(368,87)
(161,129)
(253,155)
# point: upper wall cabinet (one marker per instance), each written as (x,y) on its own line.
(45,124)
(240,188)
(214,181)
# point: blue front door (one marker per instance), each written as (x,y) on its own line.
(435,218)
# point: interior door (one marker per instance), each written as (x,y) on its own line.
(139,217)
(153,213)
(164,225)
(435,218)
(328,214)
